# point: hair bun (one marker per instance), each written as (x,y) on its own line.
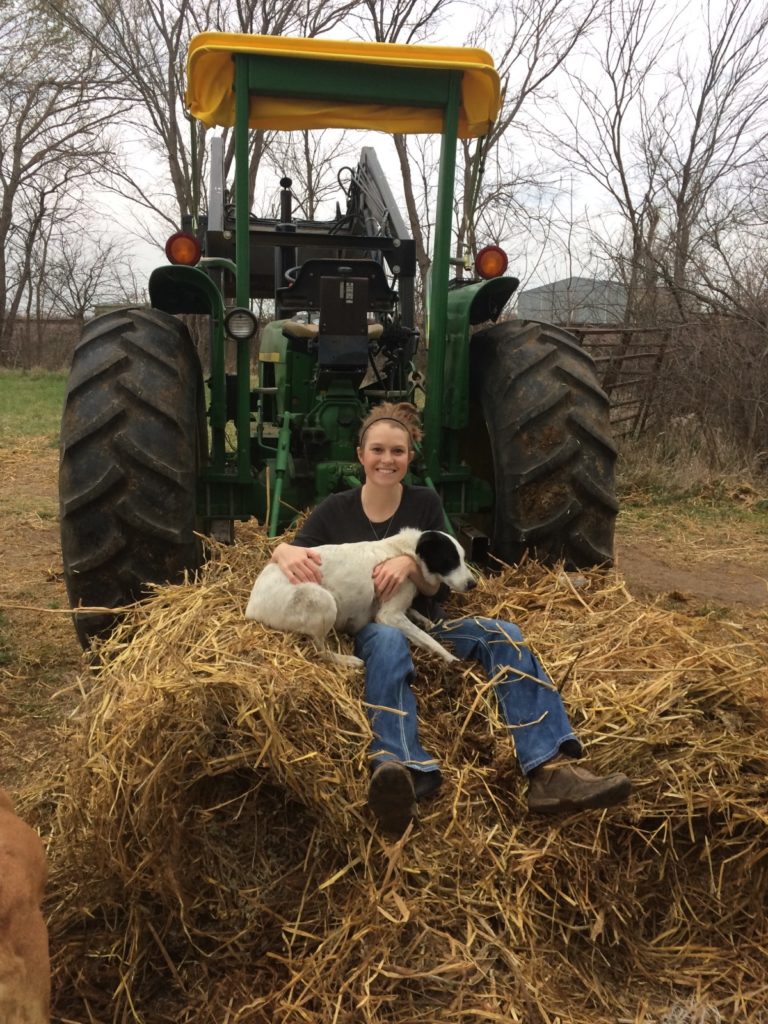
(404,413)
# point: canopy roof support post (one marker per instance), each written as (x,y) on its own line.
(242,218)
(437,302)
(243,267)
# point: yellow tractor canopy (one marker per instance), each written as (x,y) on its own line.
(408,81)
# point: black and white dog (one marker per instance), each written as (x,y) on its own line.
(346,599)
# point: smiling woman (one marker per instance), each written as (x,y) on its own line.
(402,770)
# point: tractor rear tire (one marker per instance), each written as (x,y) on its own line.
(549,432)
(132,437)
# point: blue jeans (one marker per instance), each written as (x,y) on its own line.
(528,700)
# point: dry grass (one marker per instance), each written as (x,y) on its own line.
(683,459)
(213,860)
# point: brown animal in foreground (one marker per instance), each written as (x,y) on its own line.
(25,977)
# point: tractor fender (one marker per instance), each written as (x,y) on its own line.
(469,305)
(272,342)
(180,289)
(273,361)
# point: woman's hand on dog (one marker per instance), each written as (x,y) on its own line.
(299,565)
(390,575)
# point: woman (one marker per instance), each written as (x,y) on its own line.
(402,771)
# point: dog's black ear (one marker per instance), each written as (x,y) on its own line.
(438,552)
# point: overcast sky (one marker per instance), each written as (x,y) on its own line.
(538,255)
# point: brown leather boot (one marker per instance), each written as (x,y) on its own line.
(392,798)
(563,785)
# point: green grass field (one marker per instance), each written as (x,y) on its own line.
(30,405)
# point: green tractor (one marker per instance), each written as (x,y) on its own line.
(156,451)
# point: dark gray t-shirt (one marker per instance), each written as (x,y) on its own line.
(339,519)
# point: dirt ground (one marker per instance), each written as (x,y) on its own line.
(696,568)
(694,564)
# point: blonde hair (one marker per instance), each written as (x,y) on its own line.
(404,414)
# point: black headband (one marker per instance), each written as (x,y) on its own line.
(380,419)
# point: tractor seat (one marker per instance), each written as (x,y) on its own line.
(297,329)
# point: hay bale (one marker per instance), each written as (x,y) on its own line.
(213,859)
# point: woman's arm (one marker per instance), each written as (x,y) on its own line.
(300,565)
(299,560)
(389,575)
(423,511)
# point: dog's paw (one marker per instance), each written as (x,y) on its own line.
(450,657)
(346,660)
(420,619)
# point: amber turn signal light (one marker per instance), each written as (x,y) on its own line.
(183,248)
(491,262)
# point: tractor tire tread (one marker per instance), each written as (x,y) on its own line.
(548,426)
(129,453)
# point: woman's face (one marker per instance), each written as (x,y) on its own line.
(385,453)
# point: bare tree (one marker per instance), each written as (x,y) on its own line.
(408,21)
(143,44)
(311,159)
(607,103)
(670,133)
(83,269)
(531,42)
(401,21)
(418,176)
(709,135)
(52,139)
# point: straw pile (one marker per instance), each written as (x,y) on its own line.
(213,859)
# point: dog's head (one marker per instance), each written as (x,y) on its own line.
(442,557)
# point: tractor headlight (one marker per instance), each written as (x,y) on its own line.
(240,324)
